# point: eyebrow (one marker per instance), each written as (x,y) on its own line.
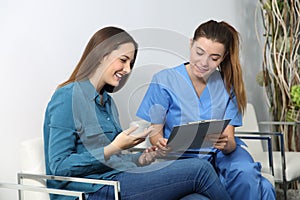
(215,54)
(127,57)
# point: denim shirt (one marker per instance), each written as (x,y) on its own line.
(76,130)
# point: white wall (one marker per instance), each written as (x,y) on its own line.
(41,41)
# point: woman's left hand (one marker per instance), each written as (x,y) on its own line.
(226,142)
(148,156)
(221,142)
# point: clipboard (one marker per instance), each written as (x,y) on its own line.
(196,135)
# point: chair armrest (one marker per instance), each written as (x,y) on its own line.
(242,135)
(38,177)
(281,142)
(296,123)
(21,187)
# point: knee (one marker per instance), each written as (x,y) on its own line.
(247,170)
(203,164)
(247,174)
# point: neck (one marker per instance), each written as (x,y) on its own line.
(96,83)
(198,83)
(195,79)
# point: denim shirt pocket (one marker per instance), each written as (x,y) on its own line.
(92,130)
(93,137)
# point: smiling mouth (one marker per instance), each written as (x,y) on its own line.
(119,76)
(201,69)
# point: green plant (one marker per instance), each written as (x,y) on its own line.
(295,94)
(281,60)
(280,53)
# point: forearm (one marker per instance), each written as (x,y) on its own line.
(230,145)
(154,139)
(74,164)
(110,150)
(156,134)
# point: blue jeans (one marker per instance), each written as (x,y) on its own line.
(188,178)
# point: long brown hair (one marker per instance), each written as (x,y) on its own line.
(230,67)
(102,43)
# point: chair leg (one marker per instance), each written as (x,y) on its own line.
(285,188)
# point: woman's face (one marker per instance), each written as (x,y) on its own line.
(114,66)
(205,56)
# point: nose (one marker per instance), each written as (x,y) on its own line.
(127,68)
(203,61)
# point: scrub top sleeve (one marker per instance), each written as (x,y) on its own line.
(155,103)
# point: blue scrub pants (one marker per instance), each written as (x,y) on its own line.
(168,180)
(241,176)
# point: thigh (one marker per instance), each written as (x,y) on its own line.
(165,180)
(157,181)
(239,174)
(239,155)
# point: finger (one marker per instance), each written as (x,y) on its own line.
(153,148)
(160,146)
(137,141)
(130,130)
(161,153)
(143,134)
(225,139)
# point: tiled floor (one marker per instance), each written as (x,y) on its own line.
(292,194)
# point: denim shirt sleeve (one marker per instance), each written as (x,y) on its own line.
(74,149)
(64,156)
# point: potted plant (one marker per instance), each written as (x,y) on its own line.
(281,63)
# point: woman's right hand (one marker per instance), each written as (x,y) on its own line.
(126,139)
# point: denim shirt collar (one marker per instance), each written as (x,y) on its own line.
(87,92)
(91,93)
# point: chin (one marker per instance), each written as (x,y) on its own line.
(115,84)
(200,75)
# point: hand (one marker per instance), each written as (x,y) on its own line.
(222,142)
(125,140)
(162,146)
(148,156)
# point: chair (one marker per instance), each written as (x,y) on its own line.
(285,165)
(32,179)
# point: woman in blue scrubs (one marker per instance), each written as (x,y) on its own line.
(209,86)
(83,136)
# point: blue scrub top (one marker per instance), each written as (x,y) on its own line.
(172,100)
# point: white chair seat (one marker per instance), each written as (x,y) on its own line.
(32,161)
(33,174)
(291,159)
(292,164)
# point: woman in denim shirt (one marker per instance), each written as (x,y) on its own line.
(83,136)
